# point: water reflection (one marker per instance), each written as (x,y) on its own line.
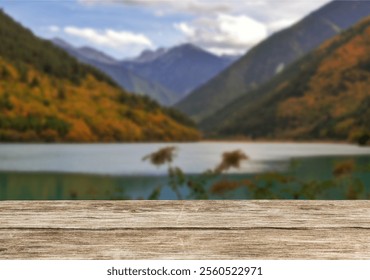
(117,171)
(61,186)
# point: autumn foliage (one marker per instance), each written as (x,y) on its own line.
(323,96)
(46,95)
(56,110)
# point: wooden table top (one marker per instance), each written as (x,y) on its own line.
(185,229)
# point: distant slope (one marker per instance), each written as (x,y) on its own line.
(147,56)
(271,56)
(125,78)
(46,95)
(325,95)
(181,69)
(96,55)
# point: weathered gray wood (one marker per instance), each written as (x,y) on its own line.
(180,214)
(186,244)
(185,230)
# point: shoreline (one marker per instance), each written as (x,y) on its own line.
(247,141)
(285,141)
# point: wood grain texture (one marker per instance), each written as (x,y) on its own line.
(185,230)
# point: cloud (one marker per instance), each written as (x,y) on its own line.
(225,33)
(171,6)
(53,28)
(265,8)
(185,28)
(232,26)
(109,38)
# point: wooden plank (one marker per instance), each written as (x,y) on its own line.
(185,230)
(186,244)
(183,214)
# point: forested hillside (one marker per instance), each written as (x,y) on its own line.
(272,56)
(46,95)
(325,95)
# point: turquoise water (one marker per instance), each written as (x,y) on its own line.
(117,171)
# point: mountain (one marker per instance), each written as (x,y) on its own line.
(271,56)
(124,77)
(229,59)
(325,95)
(47,95)
(148,56)
(180,69)
(95,55)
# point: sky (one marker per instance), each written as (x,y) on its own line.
(124,28)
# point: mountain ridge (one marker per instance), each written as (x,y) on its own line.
(264,60)
(181,68)
(125,78)
(323,96)
(146,56)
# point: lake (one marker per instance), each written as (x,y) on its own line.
(117,171)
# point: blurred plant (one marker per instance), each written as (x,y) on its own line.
(196,184)
(231,160)
(270,185)
(344,168)
(176,177)
(221,187)
(356,190)
(162,156)
(155,195)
